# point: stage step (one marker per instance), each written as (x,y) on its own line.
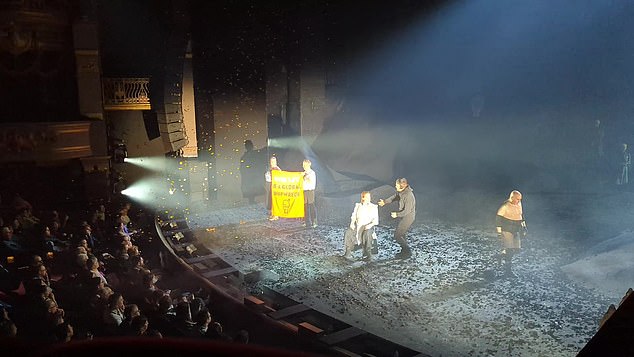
(219,272)
(288,311)
(308,329)
(342,335)
(344,352)
(200,259)
(251,300)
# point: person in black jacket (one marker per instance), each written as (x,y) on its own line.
(250,171)
(406,212)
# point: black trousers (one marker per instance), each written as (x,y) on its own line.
(401,231)
(310,214)
(269,198)
(367,241)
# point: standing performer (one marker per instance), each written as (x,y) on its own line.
(510,226)
(361,231)
(250,172)
(624,165)
(310,183)
(267,177)
(406,212)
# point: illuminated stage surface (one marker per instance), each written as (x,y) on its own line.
(438,302)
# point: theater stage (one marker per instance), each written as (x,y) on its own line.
(438,302)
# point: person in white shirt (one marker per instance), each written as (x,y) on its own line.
(268,179)
(310,183)
(361,231)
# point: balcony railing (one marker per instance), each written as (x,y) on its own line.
(126,93)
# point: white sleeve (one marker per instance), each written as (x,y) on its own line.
(353,218)
(375,217)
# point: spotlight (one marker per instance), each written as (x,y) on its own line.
(150,163)
(120,153)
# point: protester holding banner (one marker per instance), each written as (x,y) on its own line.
(267,176)
(309,185)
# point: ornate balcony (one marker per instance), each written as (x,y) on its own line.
(126,93)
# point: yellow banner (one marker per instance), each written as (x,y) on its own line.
(287,195)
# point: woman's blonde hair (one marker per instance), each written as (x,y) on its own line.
(515,193)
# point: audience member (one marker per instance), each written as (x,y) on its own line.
(114,313)
(64,332)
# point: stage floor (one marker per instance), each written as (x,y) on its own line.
(438,302)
